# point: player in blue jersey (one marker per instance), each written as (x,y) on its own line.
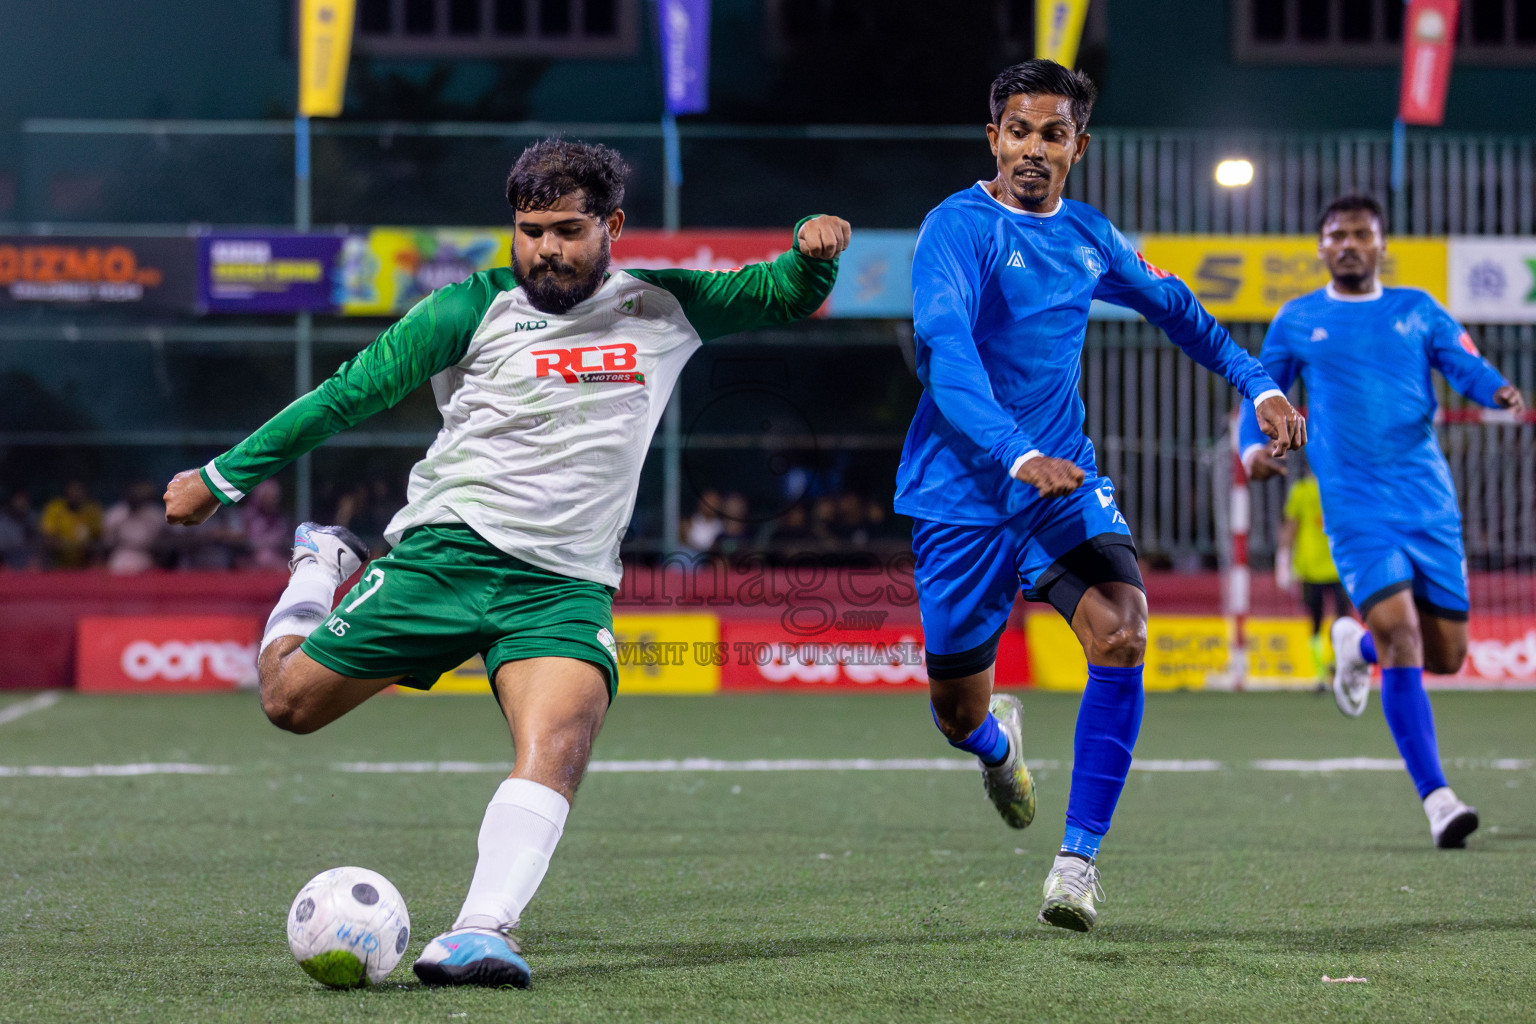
(997,475)
(1365,353)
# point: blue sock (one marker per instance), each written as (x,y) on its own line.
(1107,723)
(1081,842)
(1406,707)
(1368,648)
(987,741)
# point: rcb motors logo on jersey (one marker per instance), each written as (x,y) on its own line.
(589,364)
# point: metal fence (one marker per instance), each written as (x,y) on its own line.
(1155,417)
(69,172)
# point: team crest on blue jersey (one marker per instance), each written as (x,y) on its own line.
(1091,260)
(1319,334)
(1410,325)
(1015,260)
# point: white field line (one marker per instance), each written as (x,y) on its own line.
(704,764)
(87,771)
(25,707)
(1334,764)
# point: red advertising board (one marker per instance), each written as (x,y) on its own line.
(1501,652)
(698,250)
(1429,43)
(761,654)
(166,653)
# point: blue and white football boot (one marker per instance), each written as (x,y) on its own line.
(473,956)
(336,548)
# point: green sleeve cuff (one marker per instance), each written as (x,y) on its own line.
(222,489)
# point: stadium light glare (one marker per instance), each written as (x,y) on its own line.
(1234,173)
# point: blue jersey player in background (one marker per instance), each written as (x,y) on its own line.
(997,474)
(1365,353)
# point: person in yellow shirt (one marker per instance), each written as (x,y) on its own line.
(71,527)
(1303,555)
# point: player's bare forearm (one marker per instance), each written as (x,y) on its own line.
(1053,478)
(1285,427)
(1509,397)
(1261,466)
(824,237)
(188,501)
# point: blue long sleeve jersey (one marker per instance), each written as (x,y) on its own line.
(1000,303)
(1366,365)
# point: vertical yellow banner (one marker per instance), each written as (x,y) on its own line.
(325,46)
(1058,29)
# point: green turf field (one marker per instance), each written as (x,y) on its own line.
(763,896)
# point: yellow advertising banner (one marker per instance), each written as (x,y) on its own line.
(389,270)
(674,654)
(1183,652)
(658,654)
(325,47)
(1249,277)
(1059,29)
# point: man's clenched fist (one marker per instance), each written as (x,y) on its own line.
(1053,478)
(823,238)
(188,501)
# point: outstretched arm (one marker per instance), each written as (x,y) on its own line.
(434,335)
(1455,355)
(788,288)
(1168,303)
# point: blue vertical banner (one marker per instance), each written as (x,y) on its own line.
(685,54)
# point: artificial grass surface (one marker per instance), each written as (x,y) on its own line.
(768,896)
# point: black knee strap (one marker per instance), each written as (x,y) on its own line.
(965,663)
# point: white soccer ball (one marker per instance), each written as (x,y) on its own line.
(348,927)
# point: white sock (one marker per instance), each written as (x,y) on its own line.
(304,605)
(521,828)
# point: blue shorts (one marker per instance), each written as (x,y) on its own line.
(1378,560)
(968,576)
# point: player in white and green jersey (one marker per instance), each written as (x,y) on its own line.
(551,376)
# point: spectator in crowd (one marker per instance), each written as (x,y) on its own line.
(366,510)
(71,528)
(734,533)
(785,534)
(704,527)
(268,532)
(851,525)
(824,521)
(20,544)
(134,529)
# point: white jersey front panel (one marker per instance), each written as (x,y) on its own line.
(546,424)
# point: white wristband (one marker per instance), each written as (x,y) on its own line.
(1248,456)
(1265,396)
(1033,453)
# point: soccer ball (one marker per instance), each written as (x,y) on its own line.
(348,927)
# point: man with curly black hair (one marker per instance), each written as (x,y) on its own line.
(551,376)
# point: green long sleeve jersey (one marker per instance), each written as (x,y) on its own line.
(546,418)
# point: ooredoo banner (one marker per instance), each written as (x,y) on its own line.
(1501,652)
(154,274)
(761,654)
(166,654)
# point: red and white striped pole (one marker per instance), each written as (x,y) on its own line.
(1237,570)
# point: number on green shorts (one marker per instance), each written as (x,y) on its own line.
(377,576)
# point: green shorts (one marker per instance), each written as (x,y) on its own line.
(445,595)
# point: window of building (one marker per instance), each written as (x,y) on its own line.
(498,28)
(1490,32)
